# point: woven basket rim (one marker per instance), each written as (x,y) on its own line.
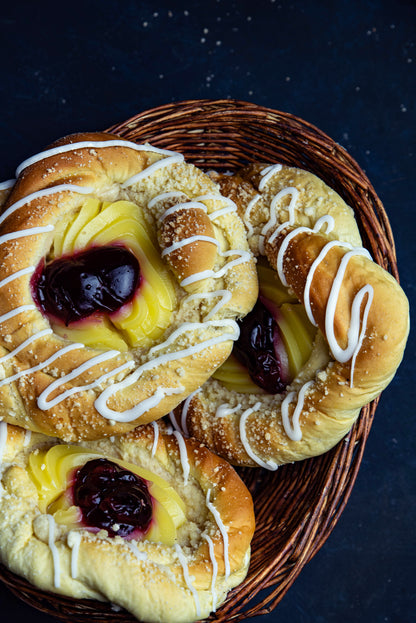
(322,485)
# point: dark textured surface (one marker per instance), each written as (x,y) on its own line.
(349,68)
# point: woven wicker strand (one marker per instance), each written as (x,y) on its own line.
(308,497)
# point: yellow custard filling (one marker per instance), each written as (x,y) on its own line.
(296,332)
(51,471)
(145,318)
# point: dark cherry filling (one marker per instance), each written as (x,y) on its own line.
(255,349)
(112,498)
(99,279)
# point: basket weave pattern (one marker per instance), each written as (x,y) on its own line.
(298,505)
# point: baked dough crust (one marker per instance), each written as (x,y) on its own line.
(179,583)
(106,393)
(322,403)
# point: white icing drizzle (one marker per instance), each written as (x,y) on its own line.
(32,231)
(141,556)
(194,326)
(25,343)
(159,164)
(175,424)
(44,403)
(311,273)
(172,194)
(223,531)
(290,190)
(269,464)
(205,274)
(182,427)
(16,311)
(229,207)
(155,437)
(225,297)
(244,256)
(214,197)
(183,453)
(283,249)
(356,310)
(3,439)
(327,220)
(339,353)
(139,409)
(181,206)
(324,220)
(195,203)
(214,570)
(43,364)
(224,410)
(7,184)
(246,216)
(186,577)
(88,145)
(39,194)
(74,542)
(184,413)
(54,551)
(185,408)
(186,241)
(16,275)
(268,173)
(221,211)
(357,328)
(293,430)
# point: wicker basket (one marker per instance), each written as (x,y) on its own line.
(308,497)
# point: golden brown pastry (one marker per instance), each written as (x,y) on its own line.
(151,522)
(5,189)
(122,271)
(324,339)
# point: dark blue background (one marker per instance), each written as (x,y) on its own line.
(348,67)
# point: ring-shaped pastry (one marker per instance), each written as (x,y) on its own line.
(337,323)
(84,361)
(185,545)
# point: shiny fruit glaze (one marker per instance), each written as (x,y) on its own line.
(256,350)
(112,498)
(98,279)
